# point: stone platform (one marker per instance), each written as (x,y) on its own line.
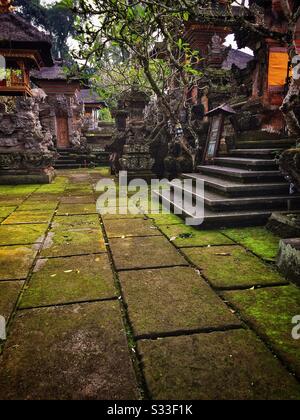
(130,307)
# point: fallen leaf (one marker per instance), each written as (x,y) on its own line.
(68,271)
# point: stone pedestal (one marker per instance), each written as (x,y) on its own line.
(26,148)
(289,259)
(136,158)
(138,162)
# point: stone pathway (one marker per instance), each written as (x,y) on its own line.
(123,307)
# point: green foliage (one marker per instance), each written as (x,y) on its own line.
(57,19)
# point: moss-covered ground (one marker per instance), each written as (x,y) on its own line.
(121,306)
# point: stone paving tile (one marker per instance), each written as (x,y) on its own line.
(42,200)
(166,219)
(11,201)
(26,217)
(6,211)
(171,300)
(86,199)
(16,261)
(38,205)
(232,267)
(68,353)
(73,241)
(270,311)
(65,209)
(22,234)
(123,216)
(9,293)
(64,222)
(258,239)
(67,280)
(130,227)
(147,252)
(187,236)
(232,365)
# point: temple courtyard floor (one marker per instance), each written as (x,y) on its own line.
(138,307)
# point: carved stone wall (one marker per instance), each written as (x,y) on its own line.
(26,146)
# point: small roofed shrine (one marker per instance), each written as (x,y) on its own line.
(62,109)
(27,151)
(92,105)
(22,48)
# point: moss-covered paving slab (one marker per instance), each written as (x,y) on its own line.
(22,234)
(187,236)
(64,222)
(165,219)
(16,261)
(73,241)
(116,215)
(270,311)
(232,365)
(76,352)
(230,267)
(259,240)
(146,252)
(24,217)
(67,280)
(172,300)
(17,190)
(130,227)
(11,201)
(86,199)
(9,294)
(33,205)
(65,209)
(6,211)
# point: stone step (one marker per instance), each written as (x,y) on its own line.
(256,153)
(221,219)
(247,163)
(234,188)
(241,175)
(266,144)
(216,201)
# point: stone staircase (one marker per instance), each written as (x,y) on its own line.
(242,188)
(70,159)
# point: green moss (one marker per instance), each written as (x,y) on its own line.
(6,211)
(17,190)
(9,293)
(16,261)
(232,266)
(66,209)
(172,299)
(187,236)
(270,311)
(65,280)
(73,241)
(24,217)
(165,219)
(22,234)
(66,222)
(258,240)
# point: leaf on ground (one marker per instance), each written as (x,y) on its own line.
(68,271)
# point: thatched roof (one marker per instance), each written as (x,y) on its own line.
(16,33)
(55,72)
(90,97)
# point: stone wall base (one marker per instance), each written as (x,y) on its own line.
(18,177)
(289,259)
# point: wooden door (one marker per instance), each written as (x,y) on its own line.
(63,141)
